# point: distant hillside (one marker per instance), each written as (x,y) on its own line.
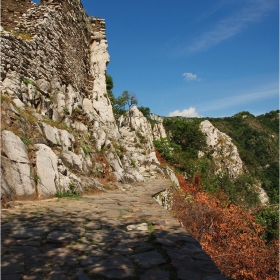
(257,140)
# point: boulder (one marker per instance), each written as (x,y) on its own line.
(51,133)
(66,139)
(99,136)
(17,177)
(80,126)
(72,160)
(172,176)
(47,170)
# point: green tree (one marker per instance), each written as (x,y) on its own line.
(109,87)
(187,134)
(127,99)
(145,111)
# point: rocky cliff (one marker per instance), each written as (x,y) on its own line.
(226,157)
(58,128)
(59,133)
(224,152)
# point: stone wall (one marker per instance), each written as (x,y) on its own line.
(51,31)
(12,10)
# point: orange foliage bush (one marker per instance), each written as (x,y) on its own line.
(226,232)
(160,158)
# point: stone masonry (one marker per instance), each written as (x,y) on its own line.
(121,234)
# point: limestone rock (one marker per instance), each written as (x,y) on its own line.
(47,171)
(264,199)
(14,148)
(138,123)
(43,85)
(58,137)
(172,176)
(80,126)
(100,105)
(66,139)
(11,87)
(17,178)
(140,227)
(137,141)
(158,128)
(51,134)
(100,137)
(225,153)
(60,74)
(59,105)
(72,160)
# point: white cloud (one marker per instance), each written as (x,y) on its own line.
(232,25)
(191,77)
(191,113)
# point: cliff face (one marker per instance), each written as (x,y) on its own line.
(226,157)
(58,127)
(225,153)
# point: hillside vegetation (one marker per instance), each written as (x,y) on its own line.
(257,140)
(226,215)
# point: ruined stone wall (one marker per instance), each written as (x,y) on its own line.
(44,44)
(12,10)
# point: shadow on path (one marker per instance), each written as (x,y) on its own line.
(115,235)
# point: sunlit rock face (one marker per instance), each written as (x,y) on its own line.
(137,140)
(56,108)
(225,153)
(158,128)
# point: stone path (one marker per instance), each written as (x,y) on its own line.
(121,234)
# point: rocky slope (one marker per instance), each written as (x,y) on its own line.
(58,128)
(59,133)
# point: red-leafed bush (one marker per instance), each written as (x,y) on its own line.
(229,234)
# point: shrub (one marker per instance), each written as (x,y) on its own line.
(230,235)
(25,140)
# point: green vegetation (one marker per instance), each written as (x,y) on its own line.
(109,88)
(86,148)
(27,81)
(184,141)
(121,103)
(25,140)
(19,34)
(36,178)
(269,217)
(150,227)
(257,140)
(73,192)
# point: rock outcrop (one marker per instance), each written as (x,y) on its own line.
(225,153)
(158,128)
(55,107)
(15,167)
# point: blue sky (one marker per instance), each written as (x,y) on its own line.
(194,58)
